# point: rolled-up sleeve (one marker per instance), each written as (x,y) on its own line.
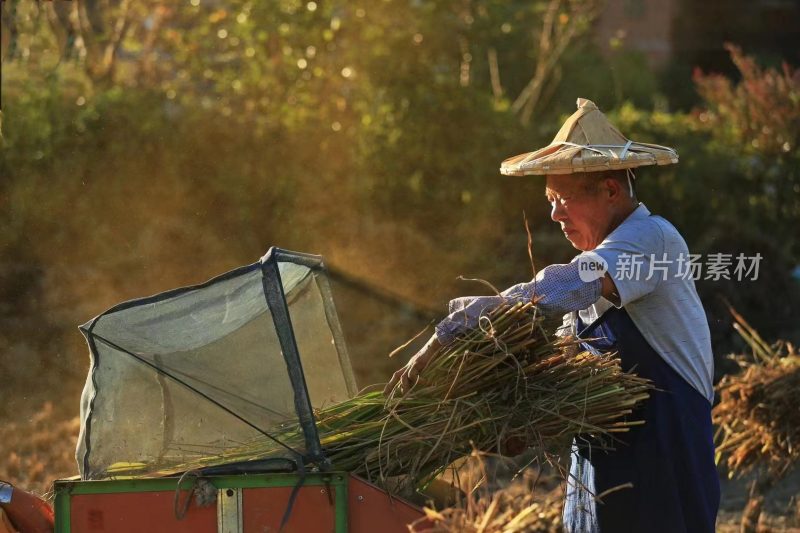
(557,290)
(465,313)
(631,253)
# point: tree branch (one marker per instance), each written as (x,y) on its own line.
(553,41)
(494,74)
(120,29)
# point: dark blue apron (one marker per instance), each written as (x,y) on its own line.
(669,459)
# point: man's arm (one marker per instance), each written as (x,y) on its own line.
(557,289)
(609,289)
(408,374)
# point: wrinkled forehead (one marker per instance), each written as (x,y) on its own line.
(562,184)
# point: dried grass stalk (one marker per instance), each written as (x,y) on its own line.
(516,508)
(758,423)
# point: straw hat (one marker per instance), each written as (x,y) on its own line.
(588,142)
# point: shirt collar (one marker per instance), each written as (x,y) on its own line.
(640,212)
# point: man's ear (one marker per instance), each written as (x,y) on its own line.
(611,188)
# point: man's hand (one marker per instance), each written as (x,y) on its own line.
(409,374)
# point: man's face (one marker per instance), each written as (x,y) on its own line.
(580,207)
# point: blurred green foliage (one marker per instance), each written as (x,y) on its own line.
(369,133)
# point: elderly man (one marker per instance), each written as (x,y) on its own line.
(629,292)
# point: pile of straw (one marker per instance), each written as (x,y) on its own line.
(521,506)
(757,418)
(504,511)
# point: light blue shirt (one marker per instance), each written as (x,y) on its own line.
(644,255)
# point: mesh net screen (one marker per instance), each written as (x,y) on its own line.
(189,376)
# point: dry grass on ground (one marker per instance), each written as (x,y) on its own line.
(39,449)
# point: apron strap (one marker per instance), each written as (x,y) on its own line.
(599,320)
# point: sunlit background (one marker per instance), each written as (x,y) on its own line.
(154,144)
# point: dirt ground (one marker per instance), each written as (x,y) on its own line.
(41,448)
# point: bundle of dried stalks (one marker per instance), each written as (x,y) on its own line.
(757,417)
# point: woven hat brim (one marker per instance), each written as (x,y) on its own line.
(567,158)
